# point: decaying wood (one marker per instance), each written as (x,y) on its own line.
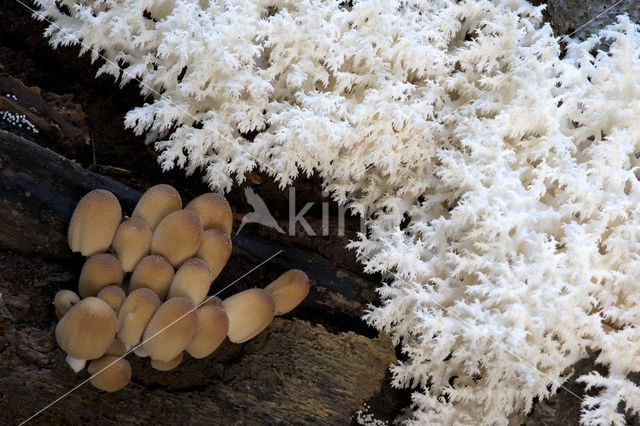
(41,188)
(293,373)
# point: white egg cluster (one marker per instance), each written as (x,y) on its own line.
(18,120)
(144,285)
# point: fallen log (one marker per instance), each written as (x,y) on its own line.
(40,190)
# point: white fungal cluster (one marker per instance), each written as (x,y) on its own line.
(496,166)
(145,281)
(18,120)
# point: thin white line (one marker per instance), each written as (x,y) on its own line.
(503,346)
(594,18)
(134,78)
(145,341)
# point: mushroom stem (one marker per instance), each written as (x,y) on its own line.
(77,365)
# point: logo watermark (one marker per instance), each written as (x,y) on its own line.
(262,216)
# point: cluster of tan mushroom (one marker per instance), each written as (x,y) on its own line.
(161,308)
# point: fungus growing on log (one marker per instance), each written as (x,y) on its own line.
(94,222)
(132,242)
(288,290)
(153,272)
(86,331)
(135,313)
(170,330)
(156,203)
(215,249)
(110,373)
(99,271)
(249,312)
(177,237)
(214,211)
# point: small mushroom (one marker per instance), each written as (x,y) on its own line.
(99,271)
(135,313)
(94,222)
(117,348)
(288,290)
(87,330)
(114,295)
(132,242)
(170,330)
(156,203)
(166,365)
(177,237)
(214,211)
(214,301)
(192,280)
(110,373)
(213,326)
(249,312)
(215,249)
(153,272)
(63,301)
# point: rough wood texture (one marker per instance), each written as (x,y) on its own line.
(293,373)
(41,189)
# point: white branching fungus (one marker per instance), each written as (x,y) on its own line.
(499,180)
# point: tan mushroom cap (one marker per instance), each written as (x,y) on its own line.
(114,296)
(63,301)
(132,242)
(135,313)
(167,365)
(170,330)
(214,211)
(94,222)
(153,272)
(288,290)
(215,249)
(214,301)
(213,326)
(117,348)
(87,330)
(156,203)
(249,312)
(99,271)
(177,237)
(110,373)
(192,280)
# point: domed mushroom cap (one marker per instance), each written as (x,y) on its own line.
(94,222)
(215,249)
(177,237)
(63,301)
(116,348)
(192,280)
(110,373)
(132,242)
(87,330)
(156,203)
(249,312)
(213,326)
(288,290)
(166,365)
(214,301)
(99,271)
(114,296)
(135,314)
(214,211)
(170,330)
(152,272)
